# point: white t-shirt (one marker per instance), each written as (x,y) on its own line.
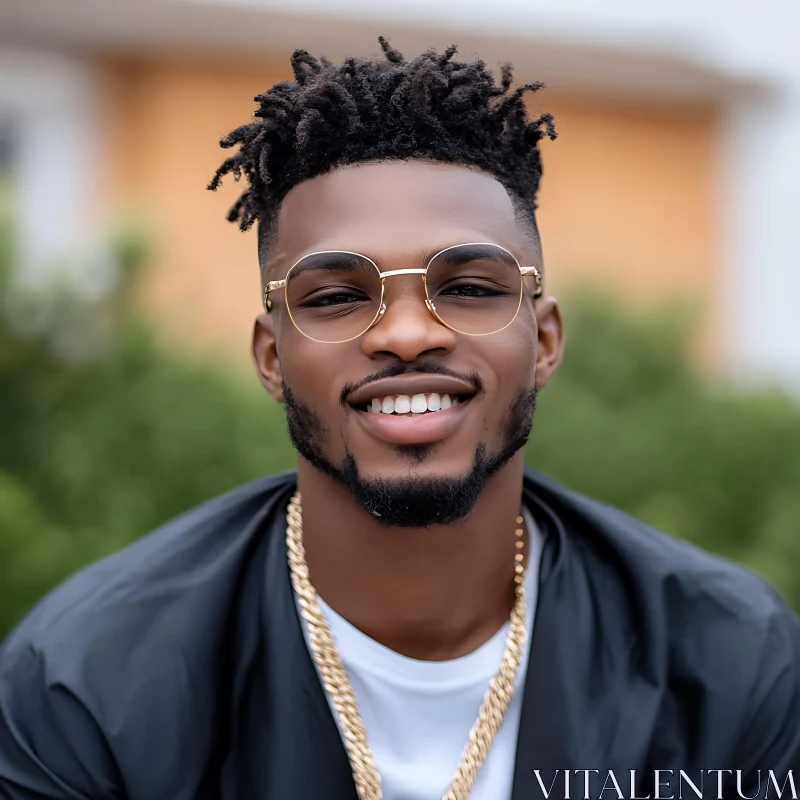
(418,714)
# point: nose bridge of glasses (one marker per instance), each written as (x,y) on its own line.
(407,286)
(402,272)
(405,302)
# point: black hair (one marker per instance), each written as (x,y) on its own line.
(431,108)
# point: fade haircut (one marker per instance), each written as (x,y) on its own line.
(432,108)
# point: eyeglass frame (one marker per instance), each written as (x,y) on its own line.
(525,272)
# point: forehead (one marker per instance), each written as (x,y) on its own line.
(395,209)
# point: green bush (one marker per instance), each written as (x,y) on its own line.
(105,433)
(98,446)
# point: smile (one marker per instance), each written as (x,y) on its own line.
(413,427)
(413,408)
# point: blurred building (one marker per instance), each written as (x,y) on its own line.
(676,170)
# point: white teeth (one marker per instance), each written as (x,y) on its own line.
(407,405)
(419,405)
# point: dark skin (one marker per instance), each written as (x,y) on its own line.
(429,593)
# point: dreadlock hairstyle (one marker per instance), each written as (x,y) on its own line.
(431,108)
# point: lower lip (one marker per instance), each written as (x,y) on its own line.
(423,429)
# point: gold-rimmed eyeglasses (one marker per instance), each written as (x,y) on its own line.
(335,296)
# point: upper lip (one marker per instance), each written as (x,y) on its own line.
(411,385)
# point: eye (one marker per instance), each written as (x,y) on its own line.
(466,289)
(336,297)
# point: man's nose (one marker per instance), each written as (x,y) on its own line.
(407,329)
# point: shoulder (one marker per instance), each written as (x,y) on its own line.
(127,654)
(171,563)
(678,575)
(700,620)
(164,595)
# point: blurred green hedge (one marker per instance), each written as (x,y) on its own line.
(105,433)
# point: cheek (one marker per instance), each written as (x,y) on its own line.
(513,362)
(314,372)
(508,368)
(308,377)
(302,362)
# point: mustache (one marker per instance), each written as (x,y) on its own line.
(428,366)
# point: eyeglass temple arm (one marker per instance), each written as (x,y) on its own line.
(272,286)
(533,272)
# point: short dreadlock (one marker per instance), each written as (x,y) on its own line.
(431,108)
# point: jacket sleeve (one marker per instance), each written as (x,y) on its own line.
(770,739)
(50,745)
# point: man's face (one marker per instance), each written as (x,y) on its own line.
(406,470)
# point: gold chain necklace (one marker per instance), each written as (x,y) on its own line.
(337,684)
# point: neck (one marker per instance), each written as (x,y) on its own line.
(429,593)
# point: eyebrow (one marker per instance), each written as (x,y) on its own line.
(335,259)
(464,253)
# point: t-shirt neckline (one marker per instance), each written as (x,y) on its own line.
(366,654)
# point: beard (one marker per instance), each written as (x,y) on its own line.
(412,502)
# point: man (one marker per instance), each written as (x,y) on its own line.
(412,614)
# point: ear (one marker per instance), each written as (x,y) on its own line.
(265,356)
(551,339)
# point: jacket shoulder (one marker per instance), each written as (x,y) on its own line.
(177,569)
(128,653)
(684,574)
(718,639)
(707,613)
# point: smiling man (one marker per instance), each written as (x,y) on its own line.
(412,614)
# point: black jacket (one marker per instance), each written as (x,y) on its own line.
(177,668)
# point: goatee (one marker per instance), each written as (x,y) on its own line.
(413,502)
